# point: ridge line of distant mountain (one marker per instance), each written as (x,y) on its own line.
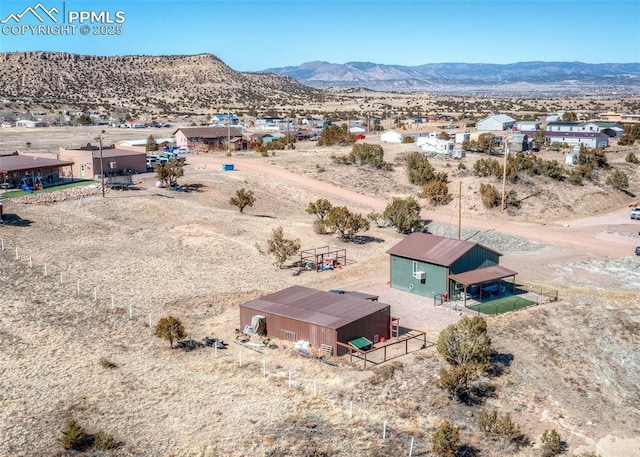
(431,76)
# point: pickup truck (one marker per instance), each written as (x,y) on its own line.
(172,156)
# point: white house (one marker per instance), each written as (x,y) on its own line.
(528,126)
(391,136)
(496,122)
(357,130)
(461,137)
(591,140)
(435,145)
(29,124)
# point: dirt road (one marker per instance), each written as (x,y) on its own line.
(605,235)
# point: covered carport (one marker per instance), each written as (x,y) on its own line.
(480,277)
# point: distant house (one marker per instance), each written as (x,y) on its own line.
(357,129)
(576,139)
(391,136)
(517,142)
(461,137)
(394,136)
(87,160)
(435,145)
(274,123)
(25,123)
(162,142)
(496,122)
(317,123)
(209,138)
(225,119)
(435,266)
(620,117)
(528,127)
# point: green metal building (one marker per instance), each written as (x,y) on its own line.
(439,267)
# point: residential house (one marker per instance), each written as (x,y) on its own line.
(620,117)
(397,136)
(575,140)
(496,122)
(206,139)
(436,145)
(224,119)
(90,162)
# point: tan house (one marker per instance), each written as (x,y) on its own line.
(115,161)
(206,139)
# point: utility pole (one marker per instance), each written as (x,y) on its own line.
(460,211)
(99,138)
(228,134)
(504,170)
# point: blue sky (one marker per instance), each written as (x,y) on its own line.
(250,35)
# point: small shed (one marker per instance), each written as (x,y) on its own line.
(319,317)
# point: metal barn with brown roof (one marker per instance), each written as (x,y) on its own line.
(436,266)
(319,317)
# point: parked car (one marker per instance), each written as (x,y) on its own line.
(637,250)
(152,161)
(360,137)
(635,213)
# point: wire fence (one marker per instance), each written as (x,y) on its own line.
(550,294)
(69,281)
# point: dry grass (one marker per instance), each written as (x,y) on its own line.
(192,255)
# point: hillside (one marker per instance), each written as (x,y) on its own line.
(156,83)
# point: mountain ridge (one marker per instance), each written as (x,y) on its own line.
(458,75)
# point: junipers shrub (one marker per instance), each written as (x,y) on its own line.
(627,140)
(368,154)
(437,192)
(104,441)
(618,180)
(501,427)
(419,168)
(465,341)
(170,328)
(242,199)
(107,363)
(490,195)
(457,380)
(552,444)
(74,437)
(336,134)
(403,214)
(487,167)
(631,158)
(279,248)
(445,440)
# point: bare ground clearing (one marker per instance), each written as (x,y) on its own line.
(572,365)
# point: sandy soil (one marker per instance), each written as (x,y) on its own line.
(155,252)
